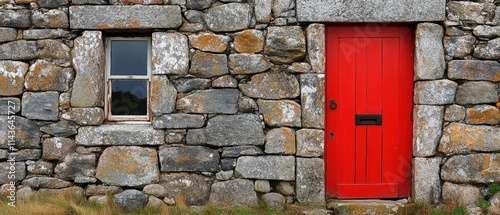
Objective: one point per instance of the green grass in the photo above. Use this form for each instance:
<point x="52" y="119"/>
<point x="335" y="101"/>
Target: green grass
<point x="492" y="189"/>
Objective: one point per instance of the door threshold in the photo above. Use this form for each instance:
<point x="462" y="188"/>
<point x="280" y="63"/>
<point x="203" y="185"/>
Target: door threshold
<point x="370" y="206"/>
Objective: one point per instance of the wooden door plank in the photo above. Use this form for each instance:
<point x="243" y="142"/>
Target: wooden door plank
<point x="367" y="191"/>
<point x="361" y="108"/>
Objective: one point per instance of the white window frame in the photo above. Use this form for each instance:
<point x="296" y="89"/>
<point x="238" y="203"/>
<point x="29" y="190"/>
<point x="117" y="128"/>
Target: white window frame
<point x="109" y="77"/>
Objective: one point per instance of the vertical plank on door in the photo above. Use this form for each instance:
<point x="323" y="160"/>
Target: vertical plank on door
<point x="361" y="107"/>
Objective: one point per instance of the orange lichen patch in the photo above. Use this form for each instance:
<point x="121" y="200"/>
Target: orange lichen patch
<point x="249" y="41"/>
<point x="102" y="26"/>
<point x="209" y="42"/>
<point x="483" y="116"/>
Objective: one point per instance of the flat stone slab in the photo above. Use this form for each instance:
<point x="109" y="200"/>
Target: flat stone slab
<point x="371" y="10"/>
<point x="266" y="167"/>
<point x="124" y="135"/>
<point x="368" y="207"/>
<point x="125" y="17"/>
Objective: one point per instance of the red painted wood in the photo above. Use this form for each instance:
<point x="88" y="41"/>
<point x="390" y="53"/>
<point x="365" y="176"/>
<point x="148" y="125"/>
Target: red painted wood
<point x="369" y="71"/>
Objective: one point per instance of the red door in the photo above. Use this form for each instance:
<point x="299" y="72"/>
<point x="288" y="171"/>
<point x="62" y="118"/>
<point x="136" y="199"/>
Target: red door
<point x="369" y="94"/>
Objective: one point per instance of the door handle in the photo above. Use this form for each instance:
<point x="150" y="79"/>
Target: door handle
<point x="368" y="119"/>
<point x="333" y="104"/>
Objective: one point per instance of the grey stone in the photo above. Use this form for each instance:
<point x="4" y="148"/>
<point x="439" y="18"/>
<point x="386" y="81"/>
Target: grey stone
<point x="491" y="50"/>
<point x="10" y="105"/>
<point x="248" y="63"/>
<point x="274" y="201"/>
<point x="42" y="106"/>
<point x="24" y="193"/>
<point x="228" y="163"/>
<point x="129" y="166"/>
<point x="483" y="114"/>
<point x="477" y="92"/>
<point x="262" y="10"/>
<point x="266" y="167"/>
<point x="50" y="19"/>
<point x="40" y="167"/>
<point x="235" y="130"/>
<point x="427" y="127"/>
<point x="316" y="47"/>
<point x="281" y="113"/>
<point x="53" y="49"/>
<point x="71" y="192"/>
<point x="224" y="175"/>
<point x="184" y="85"/>
<point x="85" y="116"/>
<point x="209" y="42"/>
<point x="125" y="17"/>
<point x="495" y="204"/>
<point x="37" y="34"/>
<point x="285" y="188"/>
<point x="79" y="2"/>
<point x="112" y="135"/>
<point x="228" y="17"/>
<point x="208" y="65"/>
<point x="174" y="136"/>
<point x="459" y="46"/>
<point x="474" y="70"/>
<point x="17" y="172"/>
<point x="192" y="27"/>
<point x="52" y="3"/>
<point x="299" y="68"/>
<point x="27" y="154"/>
<point x="163" y="95"/>
<point x="46" y="76"/>
<point x="427" y="183"/>
<point x="18" y="50"/>
<point x="156" y="190"/>
<point x="198" y="4"/>
<point x="285" y="45"/>
<point x="27" y="133"/>
<point x="12" y="75"/>
<point x="461" y="138"/>
<point x="195" y="189"/>
<point x="89" y="63"/>
<point x="466" y="195"/>
<point x="473" y="168"/>
<point x="310" y="181"/>
<point x="280" y="141"/>
<point x="487" y="31"/>
<point x="247" y="105"/>
<point x="310" y="143"/>
<point x="234" y="192"/>
<point x="131" y="199"/>
<point x="466" y="11"/>
<point x="46" y="182"/>
<point x="7" y="34"/>
<point x="170" y="54"/>
<point x="237" y="151"/>
<point x="189" y="159"/>
<point x="179" y="120"/>
<point x="262" y="186"/>
<point x="429" y="54"/>
<point x="77" y="167"/>
<point x="210" y="101"/>
<point x="193" y="16"/>
<point x="280" y="6"/>
<point x="271" y="85"/>
<point x="196" y="137"/>
<point x="371" y="11"/>
<point x="15" y="18"/>
<point x="61" y="128"/>
<point x="95" y="190"/>
<point x="437" y="92"/>
<point x="155" y="202"/>
<point x="454" y="113"/>
<point x="3" y="153"/>
<point x="226" y="81"/>
<point x="312" y="96"/>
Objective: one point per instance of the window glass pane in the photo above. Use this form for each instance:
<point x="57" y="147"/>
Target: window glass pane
<point x="129" y="97"/>
<point x="129" y="57"/>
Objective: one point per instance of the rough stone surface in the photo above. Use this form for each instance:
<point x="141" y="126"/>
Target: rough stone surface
<point x="53" y="49"/>
<point x="310" y="185"/>
<point x="19" y="174"/>
<point x="10" y="105"/>
<point x="299" y="68"/>
<point x="274" y="201"/>
<point x="459" y="46"/>
<point x="285" y="45"/>
<point x="71" y="191"/>
<point x="462" y="194"/>
<point x="466" y="11"/>
<point x="7" y="34"/>
<point x="312" y="89"/>
<point x="57" y="148"/>
<point x="266" y="167"/>
<point x="46" y="76"/>
<point x="454" y="113"/>
<point x="461" y="138"/>
<point x="262" y="10"/>
<point x="316" y="47"/>
<point x="427" y="183"/>
<point x="163" y="95"/>
<point x="237" y="151"/>
<point x="477" y="92"/>
<point x="179" y="120"/>
<point x="12" y="77"/>
<point x="27" y="154"/>
<point x="46" y="182"/>
<point x="234" y="130"/>
<point x="42" y="106"/>
<point x="244" y="64"/>
<point x="280" y="6"/>
<point x="208" y="65"/>
<point x="35" y="34"/>
<point x="225" y="81"/>
<point x="198" y="4"/>
<point x="125" y="17"/>
<point x="89" y="63"/>
<point x="85" y="116"/>
<point x="262" y="186"/>
<point x="234" y="192"/>
<point x="195" y="189"/>
<point x="285" y="188"/>
<point x="228" y="17"/>
<point x="429" y="54"/>
<point x="473" y="168"/>
<point x="474" y="70"/>
<point x="495" y="204"/>
<point x="209" y="42"/>
<point x="189" y="159"/>
<point x="62" y="128"/>
<point x="271" y="85"/>
<point x="310" y="143"/>
<point x="24" y="193"/>
<point x="15" y="18"/>
<point x="108" y="135"/>
<point x="170" y="53"/>
<point x="370" y="11"/>
<point x="18" y="50"/>
<point x="95" y="190"/>
<point x="427" y="127"/>
<point x="27" y="133"/>
<point x="249" y="41"/>
<point x="129" y="166"/>
<point x="487" y="31"/>
<point x="185" y="85"/>
<point x="131" y="199"/>
<point x="196" y="137"/>
<point x="228" y="163"/>
<point x="491" y="50"/>
<point x="210" y="101"/>
<point x="52" y="3"/>
<point x="483" y="114"/>
<point x="50" y="19"/>
<point x="281" y="113"/>
<point x="437" y="92"/>
<point x="77" y="167"/>
<point x="280" y="141"/>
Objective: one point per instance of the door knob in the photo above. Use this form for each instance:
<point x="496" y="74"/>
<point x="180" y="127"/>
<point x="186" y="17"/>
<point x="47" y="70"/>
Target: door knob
<point x="333" y="105"/>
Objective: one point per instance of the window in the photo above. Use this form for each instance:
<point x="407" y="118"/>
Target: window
<point x="128" y="75"/>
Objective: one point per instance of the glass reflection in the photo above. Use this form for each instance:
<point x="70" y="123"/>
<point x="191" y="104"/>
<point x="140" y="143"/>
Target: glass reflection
<point x="129" y="57"/>
<point x="129" y="97"/>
